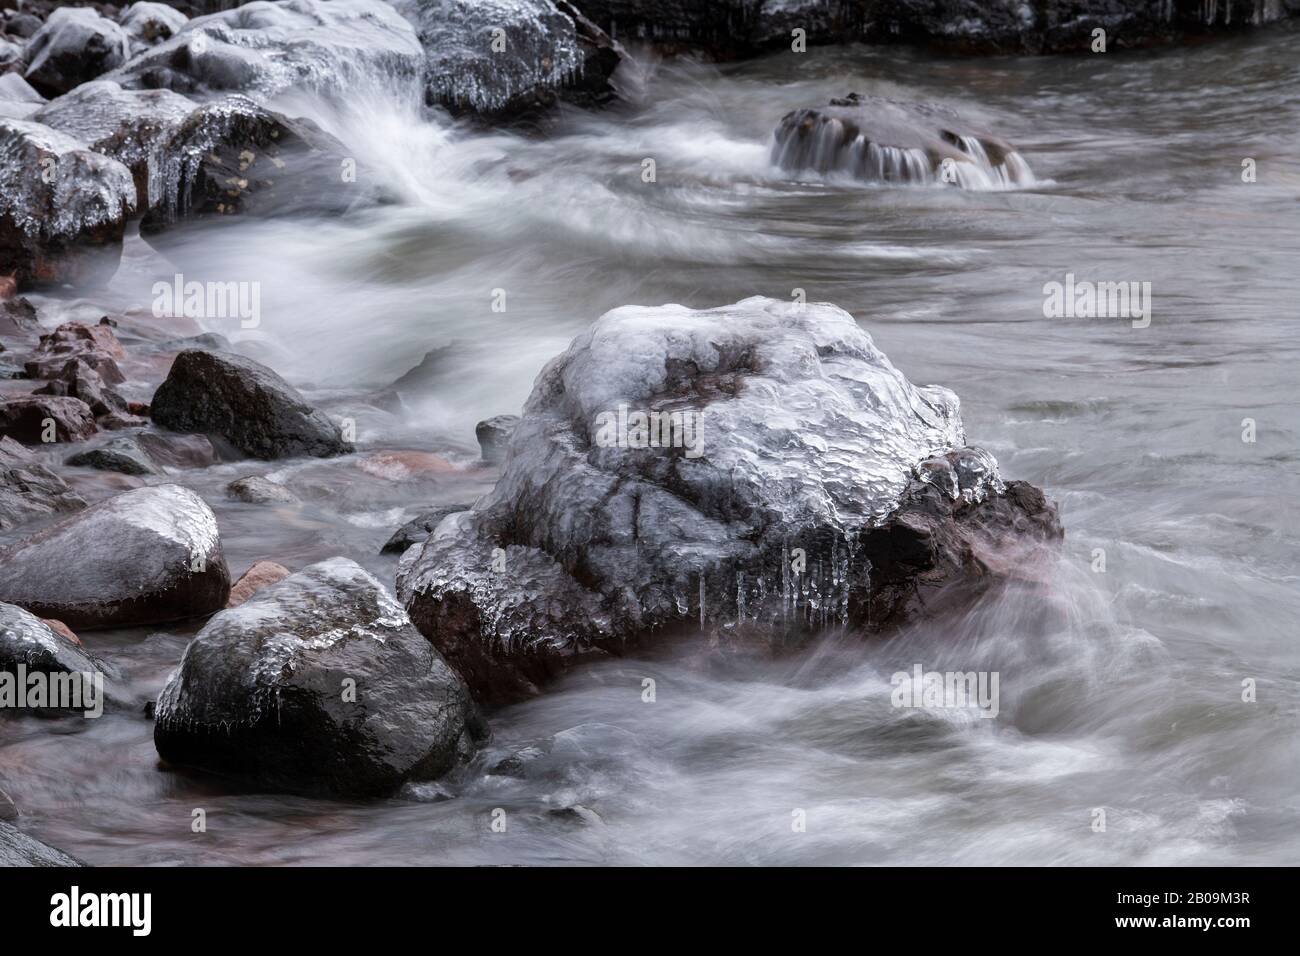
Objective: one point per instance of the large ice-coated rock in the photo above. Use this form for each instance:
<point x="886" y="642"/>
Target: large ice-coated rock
<point x="142" y="557"/>
<point x="317" y="684"/>
<point x="489" y="56"/>
<point x="235" y="158"/>
<point x="336" y="48"/>
<point x="772" y="502"/>
<point x="76" y="44"/>
<point x="131" y="126"/>
<point x="875" y="139"/>
<point x="148" y="24"/>
<point x="246" y="403"/>
<point x="28" y="645"/>
<point x="63" y="208"/>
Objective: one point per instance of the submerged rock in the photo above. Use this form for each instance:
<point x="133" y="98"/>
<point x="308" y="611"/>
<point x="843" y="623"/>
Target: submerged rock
<point x="256" y="490"/>
<point x="235" y="158"/>
<point x="874" y="139"/>
<point x="131" y="126"/>
<point x="63" y="209"/>
<point x="495" y="56"/>
<point x="751" y="470"/>
<point x="29" y="490"/>
<point x="76" y="44"/>
<point x="247" y="404"/>
<point x="336" y="48"/>
<point x="147" y="556"/>
<point x="317" y="684"/>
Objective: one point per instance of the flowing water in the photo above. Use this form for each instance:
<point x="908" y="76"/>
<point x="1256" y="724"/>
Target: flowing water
<point x="1120" y="690"/>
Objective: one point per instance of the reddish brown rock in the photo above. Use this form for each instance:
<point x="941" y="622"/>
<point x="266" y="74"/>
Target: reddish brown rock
<point x="261" y="575"/>
<point x="26" y="419"/>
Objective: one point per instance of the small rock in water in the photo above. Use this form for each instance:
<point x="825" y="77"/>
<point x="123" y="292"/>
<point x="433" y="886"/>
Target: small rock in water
<point x="256" y="490"/>
<point x="75" y="44"/>
<point x="8" y="809"/>
<point x="261" y="575"/>
<point x="404" y="465"/>
<point x="317" y="684"/>
<point x="418" y="529"/>
<point x="123" y="455"/>
<point x="245" y="403"/>
<point x="29" y="490"/>
<point x="36" y="419"/>
<point x="143" y="557"/>
<point x="493" y="436"/>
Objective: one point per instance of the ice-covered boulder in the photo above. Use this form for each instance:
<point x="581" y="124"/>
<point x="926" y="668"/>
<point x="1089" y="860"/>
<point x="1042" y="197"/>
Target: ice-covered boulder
<point x="76" y="44"/>
<point x="131" y="126"/>
<point x="148" y="24"/>
<point x="235" y="158"/>
<point x="874" y="139"/>
<point x="28" y="645"/>
<point x="263" y="49"/>
<point x="18" y="100"/>
<point x="741" y="469"/>
<point x="146" y="556"/>
<point x="319" y="684"/>
<point x="63" y="208"/>
<point x="496" y="56"/>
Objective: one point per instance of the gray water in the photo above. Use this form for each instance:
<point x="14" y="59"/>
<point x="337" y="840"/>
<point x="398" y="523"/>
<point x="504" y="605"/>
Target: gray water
<point x="1120" y="690"/>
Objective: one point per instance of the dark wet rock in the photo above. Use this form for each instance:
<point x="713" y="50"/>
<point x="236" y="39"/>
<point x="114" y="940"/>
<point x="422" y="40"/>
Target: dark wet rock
<point x="63" y="209"/>
<point x="418" y="529"/>
<point x="18" y="100"/>
<point x="538" y="51"/>
<point x="143" y="557"/>
<point x="245" y="403"/>
<point x="493" y="436"/>
<point x="875" y="139"/>
<point x="20" y="849"/>
<point x="78" y="380"/>
<point x="721" y="29"/>
<point x="235" y="158"/>
<point x="256" y="490"/>
<point x="133" y="127"/>
<point x="336" y="48"/>
<point x="29" y="645"/>
<point x="123" y="455"/>
<point x="75" y="45"/>
<point x="148" y="24"/>
<point x="8" y="809"/>
<point x="28" y="489"/>
<point x="116" y="421"/>
<point x="262" y="691"/>
<point x="261" y="575"/>
<point x="593" y="86"/>
<point x="796" y="490"/>
<point x="64" y="365"/>
<point x="32" y="419"/>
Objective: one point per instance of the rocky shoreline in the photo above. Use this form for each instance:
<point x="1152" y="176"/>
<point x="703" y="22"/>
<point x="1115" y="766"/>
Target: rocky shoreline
<point x="820" y="490"/>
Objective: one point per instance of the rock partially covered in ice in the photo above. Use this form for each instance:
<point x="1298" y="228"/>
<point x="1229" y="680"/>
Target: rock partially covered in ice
<point x="722" y="29"/>
<point x="20" y="849"/>
<point x="317" y="684"/>
<point x="29" y="646"/>
<point x="732" y="468"/>
<point x="29" y="490"/>
<point x="247" y="404"/>
<point x="131" y="126"/>
<point x="143" y="557"/>
<point x="874" y="139"/>
<point x="418" y="529"/>
<point x="494" y="56"/>
<point x="76" y="44"/>
<point x="336" y="48"/>
<point x="493" y="436"/>
<point x="17" y="98"/>
<point x="148" y="24"/>
<point x="235" y="158"/>
<point x="63" y="209"/>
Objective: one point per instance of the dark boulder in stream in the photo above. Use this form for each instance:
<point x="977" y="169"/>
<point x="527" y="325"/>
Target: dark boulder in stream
<point x="147" y="556"/>
<point x="759" y="471"/>
<point x="874" y="139"/>
<point x="75" y="44"/>
<point x="246" y="403"/>
<point x="317" y="684"/>
<point x="74" y="680"/>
